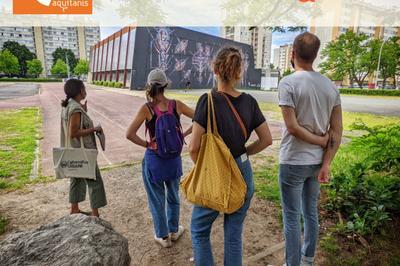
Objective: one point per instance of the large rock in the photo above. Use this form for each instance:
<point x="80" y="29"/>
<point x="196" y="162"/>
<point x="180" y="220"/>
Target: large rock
<point x="72" y="240"/>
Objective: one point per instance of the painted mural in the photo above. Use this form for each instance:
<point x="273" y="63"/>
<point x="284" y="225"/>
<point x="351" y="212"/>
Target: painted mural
<point x="187" y="60"/>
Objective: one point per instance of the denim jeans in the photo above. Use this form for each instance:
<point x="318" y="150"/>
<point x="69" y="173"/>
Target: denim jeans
<point x="203" y="218"/>
<point x="165" y="220"/>
<point x="299" y="194"/>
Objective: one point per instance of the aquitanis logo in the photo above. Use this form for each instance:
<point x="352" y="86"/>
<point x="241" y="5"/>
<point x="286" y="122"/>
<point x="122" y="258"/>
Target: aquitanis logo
<point x="59" y="7"/>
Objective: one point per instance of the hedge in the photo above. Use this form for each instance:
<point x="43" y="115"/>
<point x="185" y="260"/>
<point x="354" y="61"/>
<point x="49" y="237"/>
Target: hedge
<point x="370" y="92"/>
<point x="29" y="80"/>
<point x="108" y="83"/>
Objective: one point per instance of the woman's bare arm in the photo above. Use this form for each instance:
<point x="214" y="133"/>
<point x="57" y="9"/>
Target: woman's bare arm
<point x="264" y="140"/>
<point x="137" y="122"/>
<point x="195" y="142"/>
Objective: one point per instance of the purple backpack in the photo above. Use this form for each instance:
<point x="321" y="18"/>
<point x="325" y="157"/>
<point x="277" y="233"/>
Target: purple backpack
<point x="168" y="133"/>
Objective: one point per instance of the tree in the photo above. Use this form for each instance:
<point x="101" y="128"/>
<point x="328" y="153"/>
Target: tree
<point x="390" y="58"/>
<point x="82" y="68"/>
<point x="350" y="55"/>
<point x="61" y="53"/>
<point x="21" y="52"/>
<point x="9" y="63"/>
<point x="35" y="67"/>
<point x="59" y="69"/>
<point x="287" y="72"/>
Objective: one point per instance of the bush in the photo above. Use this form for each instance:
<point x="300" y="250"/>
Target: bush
<point x="370" y="92"/>
<point x="29" y="80"/>
<point x="112" y="84"/>
<point x="119" y="84"/>
<point x="365" y="187"/>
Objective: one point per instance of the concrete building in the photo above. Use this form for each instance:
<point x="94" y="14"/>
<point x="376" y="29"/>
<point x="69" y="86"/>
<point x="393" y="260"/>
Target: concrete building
<point x="43" y="41"/>
<point x="260" y="38"/>
<point x="282" y="56"/>
<point x="185" y="55"/>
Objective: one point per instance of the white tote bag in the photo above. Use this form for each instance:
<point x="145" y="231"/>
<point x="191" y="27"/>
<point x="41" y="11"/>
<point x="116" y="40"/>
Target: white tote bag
<point x="74" y="162"/>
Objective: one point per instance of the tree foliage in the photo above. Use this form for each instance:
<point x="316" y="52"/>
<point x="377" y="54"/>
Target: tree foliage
<point x="62" y="53"/>
<point x="82" y="68"/>
<point x="9" y="63"/>
<point x="59" y="69"/>
<point x="22" y="53"/>
<point x="390" y="58"/>
<point x="35" y="67"/>
<point x="350" y="55"/>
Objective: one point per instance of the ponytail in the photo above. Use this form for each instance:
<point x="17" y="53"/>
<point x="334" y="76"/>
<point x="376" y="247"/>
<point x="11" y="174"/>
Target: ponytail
<point x="152" y="90"/>
<point x="64" y="103"/>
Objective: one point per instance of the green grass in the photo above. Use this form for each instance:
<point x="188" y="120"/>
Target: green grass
<point x="18" y="134"/>
<point x="266" y="178"/>
<point x="3" y="223"/>
<point x="370" y="120"/>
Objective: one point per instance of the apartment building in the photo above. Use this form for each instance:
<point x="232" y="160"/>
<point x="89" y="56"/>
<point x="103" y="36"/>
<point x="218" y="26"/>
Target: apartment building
<point x="282" y="56"/>
<point x="260" y="38"/>
<point x="43" y="41"/>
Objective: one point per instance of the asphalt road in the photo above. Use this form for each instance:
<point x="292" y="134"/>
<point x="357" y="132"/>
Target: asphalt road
<point x="350" y="103"/>
<point x="18" y="90"/>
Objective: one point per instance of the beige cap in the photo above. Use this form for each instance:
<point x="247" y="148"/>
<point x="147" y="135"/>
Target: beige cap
<point x="157" y="76"/>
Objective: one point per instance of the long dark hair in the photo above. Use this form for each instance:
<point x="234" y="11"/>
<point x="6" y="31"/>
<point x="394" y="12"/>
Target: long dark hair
<point x="152" y="90"/>
<point x="72" y="88"/>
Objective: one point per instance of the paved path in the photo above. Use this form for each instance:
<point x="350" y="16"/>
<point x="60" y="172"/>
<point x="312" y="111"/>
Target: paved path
<point x="114" y="110"/>
<point x="350" y="103"/>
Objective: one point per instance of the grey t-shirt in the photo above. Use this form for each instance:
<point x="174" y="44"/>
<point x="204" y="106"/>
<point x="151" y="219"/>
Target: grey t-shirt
<point x="313" y="97"/>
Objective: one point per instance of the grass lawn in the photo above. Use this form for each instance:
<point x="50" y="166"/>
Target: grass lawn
<point x="18" y="134"/>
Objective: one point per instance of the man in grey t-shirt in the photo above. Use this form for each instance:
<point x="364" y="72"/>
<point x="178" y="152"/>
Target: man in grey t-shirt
<point x="312" y="112"/>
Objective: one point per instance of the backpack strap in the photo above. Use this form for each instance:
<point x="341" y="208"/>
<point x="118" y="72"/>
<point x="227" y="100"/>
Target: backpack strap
<point x="171" y="107"/>
<point x="236" y="114"/>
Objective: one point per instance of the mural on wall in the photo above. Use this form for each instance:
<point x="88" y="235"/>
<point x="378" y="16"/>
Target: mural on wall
<point x="162" y="42"/>
<point x="188" y="59"/>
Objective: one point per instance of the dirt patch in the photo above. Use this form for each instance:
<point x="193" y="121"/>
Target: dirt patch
<point x="128" y="213"/>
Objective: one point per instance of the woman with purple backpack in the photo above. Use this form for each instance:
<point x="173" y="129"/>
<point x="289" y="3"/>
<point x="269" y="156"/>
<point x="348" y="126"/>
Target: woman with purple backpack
<point x="162" y="163"/>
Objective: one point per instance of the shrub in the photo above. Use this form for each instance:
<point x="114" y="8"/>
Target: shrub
<point x="365" y="187"/>
<point x="119" y="84"/>
<point x="370" y="92"/>
<point x="112" y="84"/>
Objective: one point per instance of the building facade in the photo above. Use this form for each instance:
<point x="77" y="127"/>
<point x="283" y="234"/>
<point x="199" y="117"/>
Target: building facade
<point x="282" y="57"/>
<point x="185" y="55"/>
<point x="260" y="38"/>
<point x="43" y="41"/>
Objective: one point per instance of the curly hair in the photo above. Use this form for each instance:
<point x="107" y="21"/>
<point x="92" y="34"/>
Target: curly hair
<point x="228" y="64"/>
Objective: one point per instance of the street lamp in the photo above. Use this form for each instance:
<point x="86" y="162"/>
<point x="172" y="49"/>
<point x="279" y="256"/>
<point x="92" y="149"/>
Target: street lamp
<point x="379" y="63"/>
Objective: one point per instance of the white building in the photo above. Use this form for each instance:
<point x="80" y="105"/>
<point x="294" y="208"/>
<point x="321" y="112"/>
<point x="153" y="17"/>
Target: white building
<point x="43" y="41"/>
<point x="260" y="38"/>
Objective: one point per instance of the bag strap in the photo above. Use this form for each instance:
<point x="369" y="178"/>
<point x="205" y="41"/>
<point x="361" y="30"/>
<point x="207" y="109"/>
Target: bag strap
<point x="211" y="112"/>
<point x="66" y="131"/>
<point x="236" y="114"/>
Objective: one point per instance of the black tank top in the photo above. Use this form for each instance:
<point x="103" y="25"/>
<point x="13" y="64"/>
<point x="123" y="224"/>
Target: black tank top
<point x="151" y="124"/>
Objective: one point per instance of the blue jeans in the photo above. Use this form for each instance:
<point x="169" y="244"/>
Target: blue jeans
<point x="203" y="218"/>
<point x="165" y="220"/>
<point x="299" y="195"/>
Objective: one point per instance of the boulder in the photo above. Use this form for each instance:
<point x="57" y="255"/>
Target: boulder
<point x="72" y="240"/>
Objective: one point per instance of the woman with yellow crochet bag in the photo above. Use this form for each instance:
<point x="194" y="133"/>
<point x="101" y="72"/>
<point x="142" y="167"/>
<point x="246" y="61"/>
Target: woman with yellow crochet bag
<point x="234" y="116"/>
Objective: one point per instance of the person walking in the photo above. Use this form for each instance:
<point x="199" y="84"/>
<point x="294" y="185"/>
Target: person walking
<point x="162" y="163"/>
<point x="72" y="113"/>
<point x="227" y="67"/>
<point x="311" y="109"/>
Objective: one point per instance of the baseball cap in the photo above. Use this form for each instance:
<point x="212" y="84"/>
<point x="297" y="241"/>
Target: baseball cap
<point x="157" y="76"/>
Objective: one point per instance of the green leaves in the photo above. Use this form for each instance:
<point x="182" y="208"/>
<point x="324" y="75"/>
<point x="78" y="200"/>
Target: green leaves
<point x="35" y="67"/>
<point x="82" y="68"/>
<point x="22" y="53"/>
<point x="366" y="184"/>
<point x="9" y="63"/>
<point x="59" y="68"/>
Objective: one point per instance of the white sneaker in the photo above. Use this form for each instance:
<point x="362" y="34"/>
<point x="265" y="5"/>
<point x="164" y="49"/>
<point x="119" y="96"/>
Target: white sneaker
<point x="177" y="235"/>
<point x="165" y="243"/>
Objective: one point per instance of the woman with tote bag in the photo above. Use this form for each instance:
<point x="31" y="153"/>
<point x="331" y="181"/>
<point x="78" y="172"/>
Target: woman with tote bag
<point x="77" y="126"/>
<point x="237" y="115"/>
